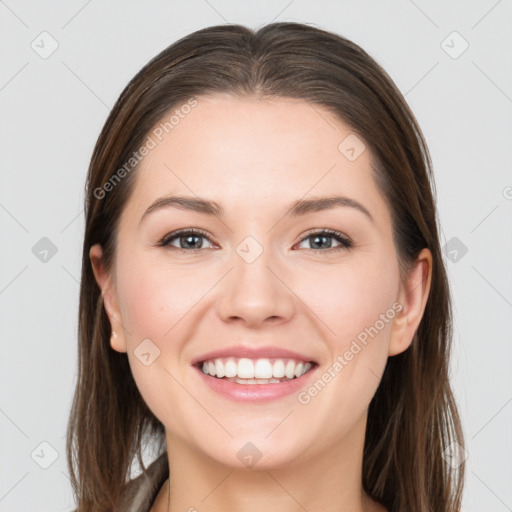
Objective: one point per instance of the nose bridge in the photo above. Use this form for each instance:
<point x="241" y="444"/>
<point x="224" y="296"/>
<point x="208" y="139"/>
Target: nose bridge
<point x="254" y="292"/>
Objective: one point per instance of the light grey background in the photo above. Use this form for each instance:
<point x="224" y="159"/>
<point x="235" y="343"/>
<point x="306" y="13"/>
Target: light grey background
<point x="53" y="108"/>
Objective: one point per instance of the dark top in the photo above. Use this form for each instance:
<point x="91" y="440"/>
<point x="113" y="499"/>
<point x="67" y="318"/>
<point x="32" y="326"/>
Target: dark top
<point x="140" y="493"/>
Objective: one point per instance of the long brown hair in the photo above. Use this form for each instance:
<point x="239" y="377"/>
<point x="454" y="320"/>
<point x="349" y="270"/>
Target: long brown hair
<point x="412" y="418"/>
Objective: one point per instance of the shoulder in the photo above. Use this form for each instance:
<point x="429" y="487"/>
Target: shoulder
<point x="139" y="493"/>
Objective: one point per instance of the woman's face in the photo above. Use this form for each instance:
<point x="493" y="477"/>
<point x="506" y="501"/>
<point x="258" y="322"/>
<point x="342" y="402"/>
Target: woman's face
<point x="257" y="279"/>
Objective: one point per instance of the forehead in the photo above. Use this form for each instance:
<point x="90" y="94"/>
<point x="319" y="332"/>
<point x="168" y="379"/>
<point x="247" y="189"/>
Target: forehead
<point x="249" y="152"/>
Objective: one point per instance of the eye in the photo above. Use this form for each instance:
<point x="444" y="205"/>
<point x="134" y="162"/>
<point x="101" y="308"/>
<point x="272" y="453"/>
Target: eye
<point x="324" y="238"/>
<point x="187" y="239"/>
<point x="193" y="239"/>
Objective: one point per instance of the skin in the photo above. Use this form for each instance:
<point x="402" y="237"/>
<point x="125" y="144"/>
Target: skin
<point x="239" y="152"/>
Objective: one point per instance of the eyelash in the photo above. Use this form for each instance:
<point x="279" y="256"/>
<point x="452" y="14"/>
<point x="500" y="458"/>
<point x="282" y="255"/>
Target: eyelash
<point x="345" y="242"/>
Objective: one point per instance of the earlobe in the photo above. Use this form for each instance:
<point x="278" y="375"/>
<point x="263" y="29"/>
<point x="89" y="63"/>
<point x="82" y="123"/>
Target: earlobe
<point x="103" y="278"/>
<point x="117" y="342"/>
<point x="413" y="298"/>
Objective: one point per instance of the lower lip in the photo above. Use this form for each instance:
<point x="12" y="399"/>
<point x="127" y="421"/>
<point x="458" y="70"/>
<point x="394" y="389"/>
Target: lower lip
<point x="255" y="392"/>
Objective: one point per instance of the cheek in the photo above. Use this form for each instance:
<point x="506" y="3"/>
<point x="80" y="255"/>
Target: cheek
<point x="154" y="303"/>
<point x="154" y="298"/>
<point x="354" y="297"/>
<point x="357" y="307"/>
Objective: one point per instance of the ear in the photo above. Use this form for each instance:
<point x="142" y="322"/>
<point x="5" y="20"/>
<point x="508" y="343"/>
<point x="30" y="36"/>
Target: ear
<point x="412" y="297"/>
<point x="108" y="292"/>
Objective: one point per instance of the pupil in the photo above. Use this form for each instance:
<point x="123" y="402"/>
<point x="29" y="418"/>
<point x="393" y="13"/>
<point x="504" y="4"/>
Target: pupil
<point x="189" y="240"/>
<point x="318" y="237"/>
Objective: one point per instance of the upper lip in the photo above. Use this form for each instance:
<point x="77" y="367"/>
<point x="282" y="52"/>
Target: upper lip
<point x="252" y="353"/>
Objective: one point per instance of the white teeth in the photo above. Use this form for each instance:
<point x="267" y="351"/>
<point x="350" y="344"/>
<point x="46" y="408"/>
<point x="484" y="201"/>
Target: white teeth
<point x="298" y="370"/>
<point x="230" y="368"/>
<point x="219" y="369"/>
<point x="260" y="371"/>
<point x="245" y="369"/>
<point x="278" y="369"/>
<point x="290" y="369"/>
<point x="263" y="369"/>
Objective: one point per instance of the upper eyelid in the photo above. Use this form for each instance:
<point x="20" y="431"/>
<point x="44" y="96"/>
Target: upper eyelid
<point x="184" y="231"/>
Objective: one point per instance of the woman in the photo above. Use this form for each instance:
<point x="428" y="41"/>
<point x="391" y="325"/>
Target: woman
<point x="263" y="293"/>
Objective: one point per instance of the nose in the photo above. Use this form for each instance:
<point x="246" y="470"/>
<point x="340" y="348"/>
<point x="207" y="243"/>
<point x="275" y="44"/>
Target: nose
<point x="255" y="293"/>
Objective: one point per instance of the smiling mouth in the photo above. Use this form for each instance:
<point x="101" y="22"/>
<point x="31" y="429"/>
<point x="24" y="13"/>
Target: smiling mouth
<point x="255" y="371"/>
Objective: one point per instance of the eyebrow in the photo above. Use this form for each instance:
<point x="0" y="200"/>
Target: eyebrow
<point x="298" y="208"/>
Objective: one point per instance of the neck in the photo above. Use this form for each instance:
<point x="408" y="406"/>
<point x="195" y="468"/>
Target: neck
<point x="329" y="481"/>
